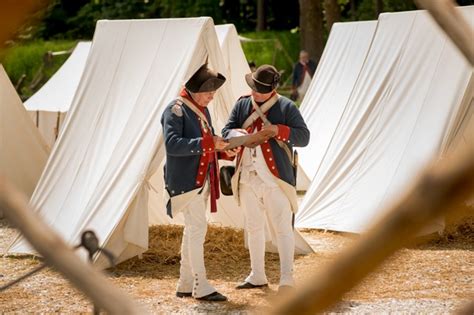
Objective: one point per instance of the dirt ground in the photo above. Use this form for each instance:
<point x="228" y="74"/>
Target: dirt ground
<point x="434" y="278"/>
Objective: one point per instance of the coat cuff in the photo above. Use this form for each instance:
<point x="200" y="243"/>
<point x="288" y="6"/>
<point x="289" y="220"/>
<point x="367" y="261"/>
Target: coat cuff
<point x="283" y="133"/>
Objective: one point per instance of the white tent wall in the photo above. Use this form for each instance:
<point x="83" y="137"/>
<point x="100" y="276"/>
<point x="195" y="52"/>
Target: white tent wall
<point x="234" y="58"/>
<point x="23" y="153"/>
<point x="407" y="98"/>
<point x="331" y="87"/>
<point x="462" y="131"/>
<point x="48" y="106"/>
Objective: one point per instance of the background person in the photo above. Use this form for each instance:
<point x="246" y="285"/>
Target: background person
<point x="303" y="72"/>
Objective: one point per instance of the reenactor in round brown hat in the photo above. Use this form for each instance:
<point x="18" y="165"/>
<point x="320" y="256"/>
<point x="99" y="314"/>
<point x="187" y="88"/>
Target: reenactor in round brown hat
<point x="265" y="177"/>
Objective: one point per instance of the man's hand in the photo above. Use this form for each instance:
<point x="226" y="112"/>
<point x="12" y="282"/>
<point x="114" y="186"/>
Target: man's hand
<point x="271" y="130"/>
<point x="220" y="143"/>
<point x="232" y="152"/>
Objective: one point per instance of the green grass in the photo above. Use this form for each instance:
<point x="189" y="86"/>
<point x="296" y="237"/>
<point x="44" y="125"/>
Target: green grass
<point x="27" y="58"/>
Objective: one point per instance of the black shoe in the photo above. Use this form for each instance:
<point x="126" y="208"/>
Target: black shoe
<point x="285" y="289"/>
<point x="184" y="294"/>
<point x="248" y="285"/>
<point x="213" y="297"/>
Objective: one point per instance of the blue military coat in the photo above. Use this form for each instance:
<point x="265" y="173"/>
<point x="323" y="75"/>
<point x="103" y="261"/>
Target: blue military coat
<point x="292" y="131"/>
<point x="189" y="150"/>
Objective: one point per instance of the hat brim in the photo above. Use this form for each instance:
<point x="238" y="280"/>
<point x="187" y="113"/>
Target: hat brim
<point x="210" y="85"/>
<point x="257" y="87"/>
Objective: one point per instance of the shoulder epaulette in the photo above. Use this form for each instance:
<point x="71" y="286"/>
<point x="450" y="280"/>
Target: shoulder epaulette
<point x="176" y="108"/>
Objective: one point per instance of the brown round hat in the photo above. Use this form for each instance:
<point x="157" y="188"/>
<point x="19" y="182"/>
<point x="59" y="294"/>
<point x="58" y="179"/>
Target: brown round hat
<point x="205" y="80"/>
<point x="264" y="80"/>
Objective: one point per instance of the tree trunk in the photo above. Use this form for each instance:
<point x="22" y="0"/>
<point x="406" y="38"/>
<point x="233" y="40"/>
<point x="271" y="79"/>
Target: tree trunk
<point x="378" y="7"/>
<point x="353" y="10"/>
<point x="311" y="28"/>
<point x="332" y="13"/>
<point x="260" y="15"/>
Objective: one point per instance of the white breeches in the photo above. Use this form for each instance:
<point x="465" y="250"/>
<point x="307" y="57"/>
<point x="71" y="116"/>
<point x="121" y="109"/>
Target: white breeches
<point x="192" y="271"/>
<point x="258" y="201"/>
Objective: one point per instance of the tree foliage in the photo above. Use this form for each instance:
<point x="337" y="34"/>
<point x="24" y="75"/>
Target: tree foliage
<point x="75" y="19"/>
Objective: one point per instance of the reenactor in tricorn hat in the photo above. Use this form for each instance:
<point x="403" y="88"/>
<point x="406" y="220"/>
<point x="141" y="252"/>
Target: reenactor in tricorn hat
<point x="191" y="175"/>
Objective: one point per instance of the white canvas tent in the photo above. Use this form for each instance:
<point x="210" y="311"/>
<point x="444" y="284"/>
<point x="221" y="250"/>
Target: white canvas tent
<point x="23" y="153"/>
<point x="48" y="106"/>
<point x="331" y="87"/>
<point x="407" y="106"/>
<point x="234" y="59"/>
<point x="101" y="172"/>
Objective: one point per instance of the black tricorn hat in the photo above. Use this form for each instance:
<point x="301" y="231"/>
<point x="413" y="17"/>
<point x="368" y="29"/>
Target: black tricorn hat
<point x="264" y="80"/>
<point x="204" y="80"/>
